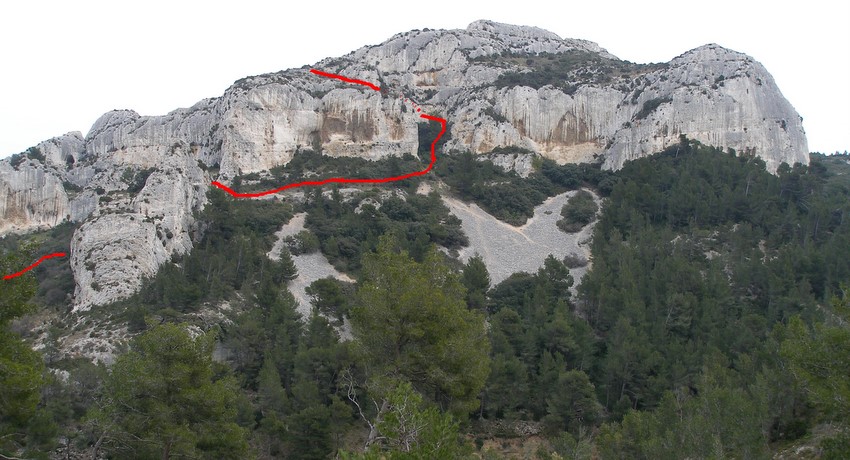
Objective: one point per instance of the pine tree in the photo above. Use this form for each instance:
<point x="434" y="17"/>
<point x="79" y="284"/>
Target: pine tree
<point x="574" y="404"/>
<point x="410" y="323"/>
<point x="476" y="279"/>
<point x="162" y="400"/>
<point x="819" y="358"/>
<point x="411" y="429"/>
<point x="21" y="368"/>
<point x="270" y="391"/>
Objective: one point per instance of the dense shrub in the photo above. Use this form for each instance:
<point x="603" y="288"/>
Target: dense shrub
<point x="347" y="229"/>
<point x="506" y="195"/>
<point x="136" y="180"/>
<point x="579" y="211"/>
<point x="304" y="242"/>
<point x="650" y="106"/>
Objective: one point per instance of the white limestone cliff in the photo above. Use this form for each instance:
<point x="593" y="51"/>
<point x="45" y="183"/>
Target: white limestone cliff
<point x="31" y="197"/>
<point x="130" y="227"/>
<point x="718" y="97"/>
<point x="129" y="237"/>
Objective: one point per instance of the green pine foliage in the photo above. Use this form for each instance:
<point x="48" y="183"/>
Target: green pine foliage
<point x="295" y="371"/>
<point x="709" y="325"/>
<point x="349" y="229"/>
<point x="509" y="197"/>
<point x="819" y="359"/>
<point x="32" y="153"/>
<point x="697" y="255"/>
<point x="163" y="399"/>
<point x="724" y="417"/>
<point x="694" y="251"/>
<point x="55" y="282"/>
<point x="476" y="280"/>
<point x="308" y="164"/>
<point x="136" y="180"/>
<point x="331" y="297"/>
<point x="565" y="71"/>
<point x="539" y="348"/>
<point x="26" y="428"/>
<point x="410" y="323"/>
<point x="230" y="256"/>
<point x="579" y="211"/>
<point x="410" y="429"/>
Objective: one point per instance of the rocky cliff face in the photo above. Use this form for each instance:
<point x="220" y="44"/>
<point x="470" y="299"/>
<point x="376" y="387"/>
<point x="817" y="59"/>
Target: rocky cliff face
<point x="719" y="97"/>
<point x="31" y="196"/>
<point x="135" y="181"/>
<point x="132" y="233"/>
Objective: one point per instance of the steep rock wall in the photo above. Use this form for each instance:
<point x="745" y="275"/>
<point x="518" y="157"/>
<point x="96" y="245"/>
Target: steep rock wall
<point x="135" y="181"/>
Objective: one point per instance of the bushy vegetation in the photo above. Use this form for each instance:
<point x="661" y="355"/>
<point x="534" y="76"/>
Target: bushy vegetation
<point x="565" y="71"/>
<point x="713" y="323"/>
<point x="163" y="399"/>
<point x="304" y="242"/>
<point x="698" y="256"/>
<point x="229" y="257"/>
<point x="411" y="323"/>
<point x="307" y="164"/>
<point x="509" y="197"/>
<point x="136" y="180"/>
<point x="25" y="427"/>
<point x="650" y="106"/>
<point x="349" y="229"/>
<point x="579" y="211"/>
<point x="293" y="368"/>
<point x="54" y="279"/>
<point x="32" y="153"/>
<point x="819" y="358"/>
<point x="541" y="353"/>
<point x="332" y="297"/>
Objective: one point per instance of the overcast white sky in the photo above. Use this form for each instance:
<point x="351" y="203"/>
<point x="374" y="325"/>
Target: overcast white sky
<point x="64" y="63"/>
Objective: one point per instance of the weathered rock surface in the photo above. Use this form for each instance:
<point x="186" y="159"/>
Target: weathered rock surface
<point x="64" y="150"/>
<point x="134" y="181"/>
<point x="132" y="235"/>
<point x="718" y="97"/>
<point x="31" y="197"/>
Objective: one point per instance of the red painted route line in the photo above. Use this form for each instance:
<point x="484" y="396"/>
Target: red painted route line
<point x="346" y="79"/>
<point x="341" y="180"/>
<point x="43" y="258"/>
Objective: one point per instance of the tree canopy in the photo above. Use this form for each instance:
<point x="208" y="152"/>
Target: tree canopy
<point x="410" y="323"/>
<point x="163" y="399"/>
<point x="21" y="368"/>
<point x="819" y="358"/>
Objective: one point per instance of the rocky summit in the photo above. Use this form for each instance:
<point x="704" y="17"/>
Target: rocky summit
<point x="134" y="182"/>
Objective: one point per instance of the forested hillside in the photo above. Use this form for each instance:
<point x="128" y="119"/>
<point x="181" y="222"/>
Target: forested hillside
<point x="713" y="323"/>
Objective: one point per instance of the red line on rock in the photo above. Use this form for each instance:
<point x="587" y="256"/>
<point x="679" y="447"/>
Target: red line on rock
<point x="42" y="259"/>
<point x="342" y="180"/>
<point x="346" y="79"/>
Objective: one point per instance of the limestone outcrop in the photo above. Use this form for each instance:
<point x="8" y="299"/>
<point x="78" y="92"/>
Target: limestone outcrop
<point x="31" y="197"/>
<point x="134" y="182"/>
<point x="718" y="97"/>
<point x="128" y="237"/>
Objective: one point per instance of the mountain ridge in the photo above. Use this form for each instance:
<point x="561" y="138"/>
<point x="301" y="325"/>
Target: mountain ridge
<point x="134" y="182"/>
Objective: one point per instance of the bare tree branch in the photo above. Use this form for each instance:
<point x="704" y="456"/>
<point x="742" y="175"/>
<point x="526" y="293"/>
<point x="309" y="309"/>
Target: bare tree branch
<point x="348" y="380"/>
